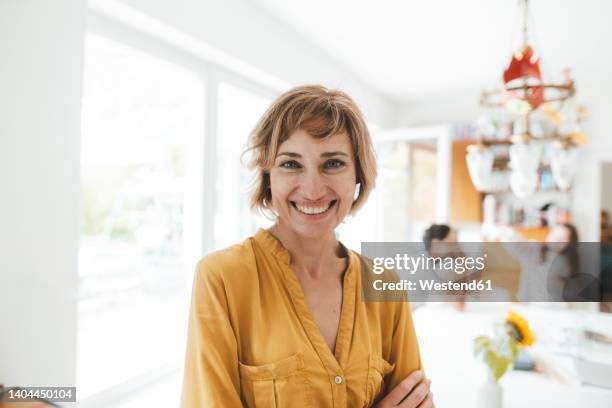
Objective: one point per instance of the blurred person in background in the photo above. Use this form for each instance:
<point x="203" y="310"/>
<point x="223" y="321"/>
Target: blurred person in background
<point x="437" y="233"/>
<point x="278" y="320"/>
<point x="440" y="240"/>
<point x="546" y="272"/>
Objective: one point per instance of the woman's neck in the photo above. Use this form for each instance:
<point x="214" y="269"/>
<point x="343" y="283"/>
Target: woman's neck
<point x="314" y="256"/>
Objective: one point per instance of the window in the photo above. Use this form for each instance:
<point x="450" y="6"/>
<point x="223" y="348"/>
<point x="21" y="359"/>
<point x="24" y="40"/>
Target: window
<point x="141" y="166"/>
<point x="237" y="114"/>
<point x="408" y="180"/>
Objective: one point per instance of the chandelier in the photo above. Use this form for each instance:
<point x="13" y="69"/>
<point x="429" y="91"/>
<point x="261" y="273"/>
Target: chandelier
<point x="525" y="126"/>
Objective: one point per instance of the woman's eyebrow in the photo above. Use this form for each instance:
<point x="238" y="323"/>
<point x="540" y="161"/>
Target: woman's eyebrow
<point x="326" y="154"/>
<point x="331" y="154"/>
<point x="290" y="154"/>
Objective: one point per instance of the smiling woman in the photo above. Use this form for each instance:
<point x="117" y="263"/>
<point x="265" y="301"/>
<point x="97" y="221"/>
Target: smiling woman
<point x="278" y="320"/>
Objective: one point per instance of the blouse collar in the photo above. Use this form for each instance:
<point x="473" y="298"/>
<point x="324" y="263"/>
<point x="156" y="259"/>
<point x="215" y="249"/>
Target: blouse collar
<point x="274" y="246"/>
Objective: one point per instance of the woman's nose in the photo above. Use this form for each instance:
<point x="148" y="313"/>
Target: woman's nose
<point x="313" y="185"/>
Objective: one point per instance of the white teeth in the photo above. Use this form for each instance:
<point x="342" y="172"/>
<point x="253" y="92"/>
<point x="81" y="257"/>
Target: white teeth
<point x="312" y="210"/>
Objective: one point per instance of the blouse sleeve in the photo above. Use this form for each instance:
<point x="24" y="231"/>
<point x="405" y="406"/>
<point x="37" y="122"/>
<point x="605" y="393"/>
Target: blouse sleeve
<point x="211" y="376"/>
<point x="405" y="353"/>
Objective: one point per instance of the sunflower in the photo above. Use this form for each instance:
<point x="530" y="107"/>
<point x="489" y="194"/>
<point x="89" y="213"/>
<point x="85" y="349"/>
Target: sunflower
<point x="519" y="329"/>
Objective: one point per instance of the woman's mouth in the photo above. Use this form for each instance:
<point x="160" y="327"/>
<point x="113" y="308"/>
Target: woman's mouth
<point x="313" y="210"/>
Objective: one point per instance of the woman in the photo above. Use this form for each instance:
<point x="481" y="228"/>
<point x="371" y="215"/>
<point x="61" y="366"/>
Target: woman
<point x="278" y="320"/>
<point x="544" y="277"/>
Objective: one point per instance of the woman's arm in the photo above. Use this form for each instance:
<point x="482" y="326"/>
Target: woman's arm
<point x="404" y="346"/>
<point x="211" y="366"/>
<point x="406" y="387"/>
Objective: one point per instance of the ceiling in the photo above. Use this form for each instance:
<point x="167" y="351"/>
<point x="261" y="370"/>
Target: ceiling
<point x="410" y="50"/>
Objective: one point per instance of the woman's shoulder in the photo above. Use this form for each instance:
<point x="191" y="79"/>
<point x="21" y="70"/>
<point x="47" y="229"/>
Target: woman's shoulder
<point x="232" y="261"/>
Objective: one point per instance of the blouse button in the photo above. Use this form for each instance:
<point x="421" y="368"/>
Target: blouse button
<point x="338" y="379"/>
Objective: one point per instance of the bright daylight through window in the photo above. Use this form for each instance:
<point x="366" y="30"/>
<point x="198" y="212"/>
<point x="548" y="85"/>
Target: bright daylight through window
<point x="140" y="205"/>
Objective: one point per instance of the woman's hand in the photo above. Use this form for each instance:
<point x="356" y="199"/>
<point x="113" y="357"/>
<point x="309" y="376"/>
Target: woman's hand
<point x="412" y="392"/>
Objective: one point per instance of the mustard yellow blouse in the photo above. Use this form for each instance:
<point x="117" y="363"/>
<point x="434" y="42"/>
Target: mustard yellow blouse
<point x="252" y="340"/>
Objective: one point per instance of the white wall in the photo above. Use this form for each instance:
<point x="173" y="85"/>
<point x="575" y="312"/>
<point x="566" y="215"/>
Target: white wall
<point x="41" y="50"/>
<point x="606" y="187"/>
<point x="242" y="29"/>
<point x="587" y="186"/>
<point x="454" y="106"/>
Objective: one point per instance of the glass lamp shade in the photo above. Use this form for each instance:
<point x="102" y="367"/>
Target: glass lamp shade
<point x="524" y="160"/>
<point x="563" y="162"/>
<point x="523" y="186"/>
<point x="569" y="117"/>
<point x="480" y="166"/>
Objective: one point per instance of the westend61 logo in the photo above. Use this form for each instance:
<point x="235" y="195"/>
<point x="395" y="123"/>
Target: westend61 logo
<point x="411" y="264"/>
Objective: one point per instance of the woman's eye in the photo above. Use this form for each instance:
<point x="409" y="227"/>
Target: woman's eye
<point x="334" y="164"/>
<point x="290" y="164"/>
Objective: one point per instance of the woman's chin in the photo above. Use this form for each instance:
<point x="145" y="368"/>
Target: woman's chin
<point x="310" y="231"/>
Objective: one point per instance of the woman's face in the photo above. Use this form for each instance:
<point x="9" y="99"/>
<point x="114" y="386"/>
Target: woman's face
<point x="558" y="238"/>
<point x="313" y="183"/>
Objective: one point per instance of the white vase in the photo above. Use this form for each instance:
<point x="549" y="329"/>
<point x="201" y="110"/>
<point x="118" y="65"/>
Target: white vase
<point x="490" y="395"/>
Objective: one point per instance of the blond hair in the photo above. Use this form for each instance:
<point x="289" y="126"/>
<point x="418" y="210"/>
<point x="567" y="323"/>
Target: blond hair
<point x="321" y="113"/>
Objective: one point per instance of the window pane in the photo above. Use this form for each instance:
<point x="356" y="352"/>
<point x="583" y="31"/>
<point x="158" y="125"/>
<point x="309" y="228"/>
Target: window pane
<point x="408" y="180"/>
<point x="394" y="181"/>
<point x="423" y="173"/>
<point x="238" y="112"/>
<point x="140" y="213"/>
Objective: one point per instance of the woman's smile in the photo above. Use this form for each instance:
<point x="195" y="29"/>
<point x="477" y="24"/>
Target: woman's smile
<point x="314" y="211"/>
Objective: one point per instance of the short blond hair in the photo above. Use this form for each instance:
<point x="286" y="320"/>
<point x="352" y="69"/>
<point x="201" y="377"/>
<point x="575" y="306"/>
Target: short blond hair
<point x="321" y="113"/>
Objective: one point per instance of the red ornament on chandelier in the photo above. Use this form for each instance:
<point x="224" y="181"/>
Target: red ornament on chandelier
<point x="525" y="66"/>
